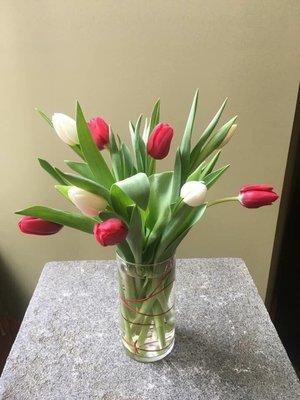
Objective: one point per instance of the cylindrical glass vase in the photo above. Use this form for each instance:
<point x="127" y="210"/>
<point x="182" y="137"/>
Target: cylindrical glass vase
<point x="147" y="308"/>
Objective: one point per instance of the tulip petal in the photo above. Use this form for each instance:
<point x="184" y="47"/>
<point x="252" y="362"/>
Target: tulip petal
<point x="193" y="193"/>
<point x="257" y="198"/>
<point x="256" y="186"/>
<point x="65" y="127"/>
<point x="88" y="203"/>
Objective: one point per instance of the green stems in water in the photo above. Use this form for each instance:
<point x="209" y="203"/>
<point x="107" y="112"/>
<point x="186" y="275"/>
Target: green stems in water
<point x="147" y="307"/>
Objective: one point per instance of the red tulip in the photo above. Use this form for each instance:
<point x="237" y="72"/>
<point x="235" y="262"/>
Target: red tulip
<point x="38" y="226"/>
<point x="110" y="232"/>
<point x="100" y="131"/>
<point x="257" y="195"/>
<point x="159" y="142"/>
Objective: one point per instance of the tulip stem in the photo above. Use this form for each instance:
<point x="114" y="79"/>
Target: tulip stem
<point x="224" y="200"/>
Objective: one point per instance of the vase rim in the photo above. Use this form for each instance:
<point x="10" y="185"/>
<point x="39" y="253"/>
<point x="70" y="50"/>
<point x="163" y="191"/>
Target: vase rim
<point x="145" y="265"/>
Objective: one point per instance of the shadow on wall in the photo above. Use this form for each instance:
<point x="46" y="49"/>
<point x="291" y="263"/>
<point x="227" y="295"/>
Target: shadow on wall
<point x="11" y="307"/>
<point x="12" y="297"/>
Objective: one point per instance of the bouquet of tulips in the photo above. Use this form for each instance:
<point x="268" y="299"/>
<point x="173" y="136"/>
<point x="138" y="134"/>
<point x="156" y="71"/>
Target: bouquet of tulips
<point x="145" y="213"/>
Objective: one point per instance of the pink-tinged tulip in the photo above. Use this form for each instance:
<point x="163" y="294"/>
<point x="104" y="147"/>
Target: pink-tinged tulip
<point x="88" y="203"/>
<point x="228" y="136"/>
<point x="38" y="226"/>
<point x="110" y="232"/>
<point x="100" y="131"/>
<point x="159" y="141"/>
<point x="65" y="127"/>
<point x="257" y="195"/>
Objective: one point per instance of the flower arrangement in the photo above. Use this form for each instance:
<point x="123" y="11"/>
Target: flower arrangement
<point x="145" y="213"/>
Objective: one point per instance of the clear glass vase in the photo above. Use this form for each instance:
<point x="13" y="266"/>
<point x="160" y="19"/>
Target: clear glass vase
<point x="147" y="308"/>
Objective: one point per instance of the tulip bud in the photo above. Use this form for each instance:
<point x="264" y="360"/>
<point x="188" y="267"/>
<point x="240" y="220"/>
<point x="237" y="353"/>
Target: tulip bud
<point x="228" y="136"/>
<point x="110" y="232"/>
<point x="193" y="193"/>
<point x="99" y="131"/>
<point x="65" y="127"/>
<point x="88" y="203"/>
<point x="159" y="141"/>
<point x="257" y="195"/>
<point x="38" y="226"/>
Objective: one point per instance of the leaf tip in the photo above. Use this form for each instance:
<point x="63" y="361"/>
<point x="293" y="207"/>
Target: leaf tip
<point x="78" y="108"/>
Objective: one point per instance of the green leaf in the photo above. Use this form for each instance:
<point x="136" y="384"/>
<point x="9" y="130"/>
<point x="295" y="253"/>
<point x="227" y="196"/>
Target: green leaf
<point x="216" y="140"/>
<point x="87" y="184"/>
<point x="135" y="234"/>
<point x="185" y="146"/>
<point x="44" y="116"/>
<point x="124" y="251"/>
<point x="158" y="213"/>
<point x="154" y="120"/>
<point x="81" y="168"/>
<point x="210" y="166"/>
<point x="138" y="124"/>
<point x="64" y="190"/>
<point x="177" y="177"/>
<point x="181" y="221"/>
<point x="138" y="147"/>
<point x="51" y="171"/>
<point x="195" y="217"/>
<point x="121" y="166"/>
<point x="150" y="163"/>
<point x="160" y="198"/>
<point x="132" y="190"/>
<point x="73" y="220"/>
<point x="116" y="157"/>
<point x="201" y="171"/>
<point x="141" y="144"/>
<point x="105" y="214"/>
<point x="211" y="178"/>
<point x="91" y="153"/>
<point x="196" y="175"/>
<point x="129" y="168"/>
<point x="146" y="131"/>
<point x="77" y="150"/>
<point x="112" y="144"/>
<point x="204" y="137"/>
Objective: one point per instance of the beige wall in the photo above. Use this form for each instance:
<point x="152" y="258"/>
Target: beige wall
<point x="117" y="57"/>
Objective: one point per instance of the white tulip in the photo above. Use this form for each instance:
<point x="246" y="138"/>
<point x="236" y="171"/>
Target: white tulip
<point x="88" y="203"/>
<point x="65" y="127"/>
<point x="228" y="136"/>
<point x="193" y="193"/>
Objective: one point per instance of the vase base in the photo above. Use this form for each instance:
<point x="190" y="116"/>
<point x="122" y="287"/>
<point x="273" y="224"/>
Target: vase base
<point x="148" y="359"/>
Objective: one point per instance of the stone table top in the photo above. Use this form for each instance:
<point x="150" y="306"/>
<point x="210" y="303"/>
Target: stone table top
<point x="226" y="347"/>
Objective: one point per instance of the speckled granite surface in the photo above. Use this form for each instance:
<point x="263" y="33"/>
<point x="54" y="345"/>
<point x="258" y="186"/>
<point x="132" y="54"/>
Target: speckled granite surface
<point x="226" y="346"/>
